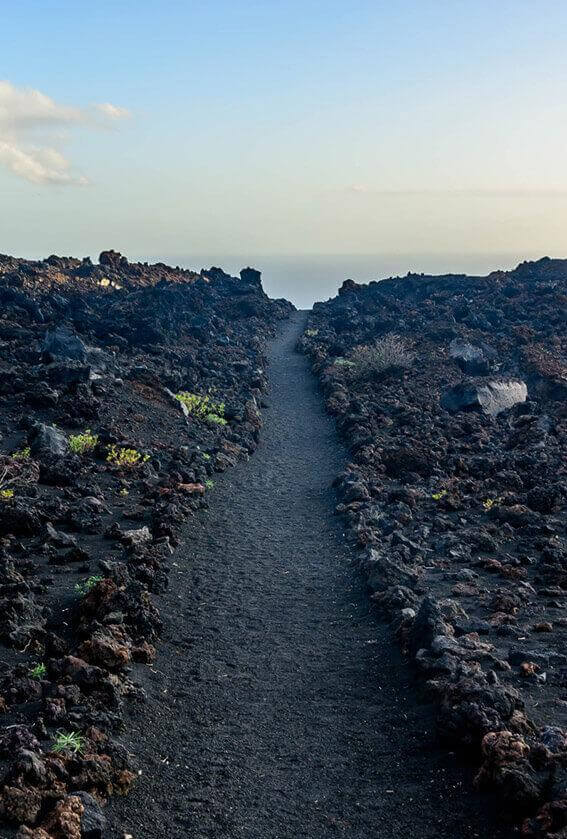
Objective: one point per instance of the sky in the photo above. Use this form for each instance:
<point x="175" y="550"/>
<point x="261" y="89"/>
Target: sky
<point x="199" y="129"/>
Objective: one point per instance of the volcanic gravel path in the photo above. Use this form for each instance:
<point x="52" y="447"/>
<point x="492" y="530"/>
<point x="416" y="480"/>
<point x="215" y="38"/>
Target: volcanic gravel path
<point x="279" y="706"/>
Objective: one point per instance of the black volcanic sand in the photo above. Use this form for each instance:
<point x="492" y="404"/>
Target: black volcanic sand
<point x="279" y="705"/>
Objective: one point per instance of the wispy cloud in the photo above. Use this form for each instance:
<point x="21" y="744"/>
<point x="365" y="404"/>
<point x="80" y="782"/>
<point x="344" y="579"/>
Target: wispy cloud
<point x="113" y="111"/>
<point x="30" y="133"/>
<point x="363" y="189"/>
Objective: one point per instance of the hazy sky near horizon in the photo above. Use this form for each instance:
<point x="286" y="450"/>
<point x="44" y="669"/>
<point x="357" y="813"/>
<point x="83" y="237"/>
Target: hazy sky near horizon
<point x="172" y="128"/>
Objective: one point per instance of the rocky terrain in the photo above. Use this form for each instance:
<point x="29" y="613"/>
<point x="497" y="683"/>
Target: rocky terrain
<point x="451" y="394"/>
<point x="124" y="389"/>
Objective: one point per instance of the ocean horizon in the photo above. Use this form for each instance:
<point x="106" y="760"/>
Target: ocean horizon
<point x="305" y="279"/>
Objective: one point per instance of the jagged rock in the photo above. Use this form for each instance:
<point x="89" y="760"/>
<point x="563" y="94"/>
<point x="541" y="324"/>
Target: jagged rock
<point x="428" y="624"/>
<point x="62" y="343"/>
<point x="473" y="360"/>
<point x="112" y="259"/>
<point x="47" y="441"/>
<point x="65" y="374"/>
<point x="492" y="398"/>
<point x="137" y="538"/>
<point x="93" y="822"/>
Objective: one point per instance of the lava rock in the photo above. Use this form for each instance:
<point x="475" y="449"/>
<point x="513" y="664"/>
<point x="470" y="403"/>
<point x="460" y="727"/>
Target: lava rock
<point x="492" y="398"/>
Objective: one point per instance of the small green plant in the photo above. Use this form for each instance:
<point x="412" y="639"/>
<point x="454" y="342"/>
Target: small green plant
<point x="206" y="456"/>
<point x="88" y="584"/>
<point x="343" y="362"/>
<point x="203" y="407"/>
<point x="124" y="492"/>
<point x="209" y="484"/>
<point x="216" y="418"/>
<point x="81" y="443"/>
<point x="311" y="333"/>
<point x="22" y="454"/>
<point x="489" y="503"/>
<point x="437" y="496"/>
<point x="71" y="741"/>
<point x="38" y="672"/>
<point x="125" y="458"/>
<point x="6" y="494"/>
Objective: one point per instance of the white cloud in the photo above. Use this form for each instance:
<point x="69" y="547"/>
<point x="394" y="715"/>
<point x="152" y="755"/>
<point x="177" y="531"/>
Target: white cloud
<point x="113" y="111"/>
<point x="28" y="145"/>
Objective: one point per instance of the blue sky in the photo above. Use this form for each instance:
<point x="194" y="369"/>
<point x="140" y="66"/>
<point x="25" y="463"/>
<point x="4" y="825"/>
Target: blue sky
<point x="288" y="127"/>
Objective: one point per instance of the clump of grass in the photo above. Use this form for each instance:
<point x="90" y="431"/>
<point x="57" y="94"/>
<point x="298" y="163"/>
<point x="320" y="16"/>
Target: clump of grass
<point x="71" y="742"/>
<point x="22" y="454"/>
<point x="209" y="484"/>
<point x="81" y="443"/>
<point x="125" y="458"/>
<point x="38" y="672"/>
<point x="206" y="456"/>
<point x="6" y="494"/>
<point x="203" y="407"/>
<point x="311" y="333"/>
<point x="84" y="587"/>
<point x="372" y="361"/>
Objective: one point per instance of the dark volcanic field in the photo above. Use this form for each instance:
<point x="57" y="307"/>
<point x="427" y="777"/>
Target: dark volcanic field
<point x="99" y="470"/>
<point x="456" y="494"/>
<point x="281" y="707"/>
<point x="207" y="644"/>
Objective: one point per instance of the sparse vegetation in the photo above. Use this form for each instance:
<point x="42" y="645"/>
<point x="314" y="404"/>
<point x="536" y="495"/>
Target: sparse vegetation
<point x="206" y="456"/>
<point x="437" y="496"/>
<point x="203" y="407"/>
<point x="215" y="418"/>
<point x="88" y="584"/>
<point x="209" y="484"/>
<point x="81" y="443"/>
<point x="22" y="454"/>
<point x="343" y="362"/>
<point x="16" y="472"/>
<point x="38" y="672"/>
<point x="371" y="361"/>
<point x="72" y="742"/>
<point x="311" y="333"/>
<point x="125" y="458"/>
<point x="489" y="503"/>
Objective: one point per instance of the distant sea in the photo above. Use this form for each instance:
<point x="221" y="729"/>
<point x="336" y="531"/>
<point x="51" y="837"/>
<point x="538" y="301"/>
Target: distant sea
<point x="306" y="278"/>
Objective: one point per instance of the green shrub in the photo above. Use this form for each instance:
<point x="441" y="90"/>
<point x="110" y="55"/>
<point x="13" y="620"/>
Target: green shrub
<point x="38" y="672"/>
<point x="22" y="454"/>
<point x="216" y="418"/>
<point x="84" y="588"/>
<point x="203" y="407"/>
<point x="125" y="458"/>
<point x="81" y="443"/>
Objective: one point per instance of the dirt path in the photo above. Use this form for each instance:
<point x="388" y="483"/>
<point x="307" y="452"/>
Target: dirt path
<point x="279" y="707"/>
